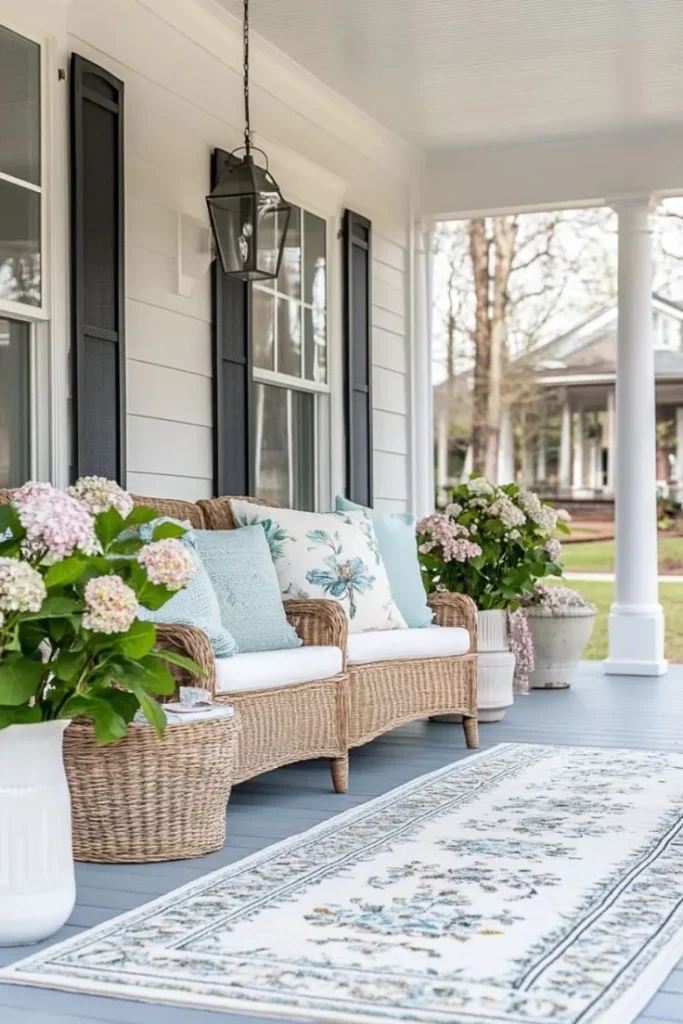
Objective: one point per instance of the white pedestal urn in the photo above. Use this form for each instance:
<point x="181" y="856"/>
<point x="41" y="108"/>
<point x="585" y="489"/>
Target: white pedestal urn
<point x="496" y="666"/>
<point x="559" y="640"/>
<point x="37" y="886"/>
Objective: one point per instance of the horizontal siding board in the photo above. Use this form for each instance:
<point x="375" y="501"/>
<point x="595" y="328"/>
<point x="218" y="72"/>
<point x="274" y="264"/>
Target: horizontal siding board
<point x="176" y="449"/>
<point x="386" y="251"/>
<point x="387" y="506"/>
<point x="391" y="478"/>
<point x="388" y="321"/>
<point x="168" y="394"/>
<point x="390" y="432"/>
<point x="153" y="279"/>
<point x="382" y="272"/>
<point x="187" y="488"/>
<point x="388" y="350"/>
<point x="387" y="297"/>
<point x="152" y="226"/>
<point x="389" y="390"/>
<point x="167" y="338"/>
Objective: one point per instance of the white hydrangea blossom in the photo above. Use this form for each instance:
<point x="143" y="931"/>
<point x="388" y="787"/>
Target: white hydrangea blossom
<point x="21" y="587"/>
<point x="98" y="494"/>
<point x="508" y="513"/>
<point x="480" y="486"/>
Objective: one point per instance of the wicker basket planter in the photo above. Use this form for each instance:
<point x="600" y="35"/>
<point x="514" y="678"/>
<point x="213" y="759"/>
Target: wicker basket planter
<point x="149" y="799"/>
<point x="559" y="639"/>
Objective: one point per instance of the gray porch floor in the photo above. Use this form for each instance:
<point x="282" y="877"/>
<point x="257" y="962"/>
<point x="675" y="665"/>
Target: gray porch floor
<point x="598" y="711"/>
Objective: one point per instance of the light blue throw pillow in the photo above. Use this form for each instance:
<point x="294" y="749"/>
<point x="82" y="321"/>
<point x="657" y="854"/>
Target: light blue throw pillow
<point x="241" y="569"/>
<point x="196" y="605"/>
<point x="398" y="547"/>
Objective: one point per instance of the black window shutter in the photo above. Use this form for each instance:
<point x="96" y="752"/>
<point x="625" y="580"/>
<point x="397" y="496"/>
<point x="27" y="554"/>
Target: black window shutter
<point x="97" y="272"/>
<point x="232" y="374"/>
<point x="358" y="356"/>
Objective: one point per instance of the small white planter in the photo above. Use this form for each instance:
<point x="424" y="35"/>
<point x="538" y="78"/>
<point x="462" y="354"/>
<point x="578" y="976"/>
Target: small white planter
<point x="559" y="641"/>
<point x="37" y="886"/>
<point x="496" y="669"/>
<point x="496" y="666"/>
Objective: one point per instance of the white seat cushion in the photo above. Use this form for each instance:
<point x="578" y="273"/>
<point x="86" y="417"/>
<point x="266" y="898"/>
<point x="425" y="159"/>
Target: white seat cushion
<point x="265" y="670"/>
<point x="392" y="644"/>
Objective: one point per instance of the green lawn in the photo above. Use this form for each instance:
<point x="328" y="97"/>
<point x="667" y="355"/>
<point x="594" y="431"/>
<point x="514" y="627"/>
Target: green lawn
<point x="671" y="597"/>
<point x="598" y="556"/>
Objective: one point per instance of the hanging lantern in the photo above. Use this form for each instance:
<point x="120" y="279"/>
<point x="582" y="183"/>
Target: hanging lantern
<point x="249" y="217"/>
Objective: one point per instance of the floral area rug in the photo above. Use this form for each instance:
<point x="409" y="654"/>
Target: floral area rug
<point x="525" y="884"/>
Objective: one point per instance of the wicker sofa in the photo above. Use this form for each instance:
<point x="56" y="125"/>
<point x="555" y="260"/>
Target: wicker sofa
<point x="387" y="689"/>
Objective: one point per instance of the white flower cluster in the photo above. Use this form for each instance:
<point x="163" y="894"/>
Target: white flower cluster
<point x="543" y="515"/>
<point x="480" y="486"/>
<point x="111" y="605"/>
<point x="21" y="588"/>
<point x="557" y="599"/>
<point x="97" y="494"/>
<point x="508" y="513"/>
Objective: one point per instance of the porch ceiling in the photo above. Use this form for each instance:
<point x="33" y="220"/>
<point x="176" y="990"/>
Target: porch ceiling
<point x="451" y="73"/>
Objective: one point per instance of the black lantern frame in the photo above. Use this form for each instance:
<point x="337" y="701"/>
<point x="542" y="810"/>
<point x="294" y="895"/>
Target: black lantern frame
<point x="249" y="217"/>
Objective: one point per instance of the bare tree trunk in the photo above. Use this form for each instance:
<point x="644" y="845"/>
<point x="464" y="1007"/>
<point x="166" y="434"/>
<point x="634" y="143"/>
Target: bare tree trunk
<point x="504" y="234"/>
<point x="479" y="253"/>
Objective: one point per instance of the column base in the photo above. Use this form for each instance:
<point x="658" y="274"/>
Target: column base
<point x="636" y="641"/>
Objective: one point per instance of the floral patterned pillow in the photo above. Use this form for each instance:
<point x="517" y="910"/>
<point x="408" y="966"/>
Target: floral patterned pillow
<point x="333" y="555"/>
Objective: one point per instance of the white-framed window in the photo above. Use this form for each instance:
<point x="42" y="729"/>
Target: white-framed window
<point x="22" y="246"/>
<point x="290" y="341"/>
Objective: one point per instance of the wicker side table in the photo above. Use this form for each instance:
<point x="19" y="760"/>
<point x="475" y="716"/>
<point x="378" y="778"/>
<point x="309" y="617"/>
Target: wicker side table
<point x="148" y="799"/>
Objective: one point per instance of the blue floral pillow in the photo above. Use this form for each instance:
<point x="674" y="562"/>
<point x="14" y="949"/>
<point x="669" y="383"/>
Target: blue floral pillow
<point x="333" y="555"/>
<point x="196" y="605"/>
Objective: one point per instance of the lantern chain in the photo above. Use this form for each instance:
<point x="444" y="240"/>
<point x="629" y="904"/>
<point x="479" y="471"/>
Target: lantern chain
<point x="247" y="121"/>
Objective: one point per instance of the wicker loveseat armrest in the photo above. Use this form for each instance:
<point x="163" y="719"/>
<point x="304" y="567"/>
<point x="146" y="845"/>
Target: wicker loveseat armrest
<point x="319" y="623"/>
<point x="455" y="610"/>
<point x="193" y="643"/>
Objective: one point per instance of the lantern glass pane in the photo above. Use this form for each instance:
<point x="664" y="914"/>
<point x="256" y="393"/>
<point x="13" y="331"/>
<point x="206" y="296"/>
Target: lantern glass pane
<point x="289" y="278"/>
<point x="267" y="237"/>
<point x="234" y="231"/>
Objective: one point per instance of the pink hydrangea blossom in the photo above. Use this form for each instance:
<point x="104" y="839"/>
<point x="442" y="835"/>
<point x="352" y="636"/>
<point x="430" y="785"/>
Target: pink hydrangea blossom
<point x="553" y="548"/>
<point x="56" y="524"/>
<point x="451" y="537"/>
<point x="111" y="605"/>
<point x="522" y="646"/>
<point x="557" y="599"/>
<point x="563" y="516"/>
<point x="21" y="587"/>
<point x="98" y="494"/>
<point x="167" y="563"/>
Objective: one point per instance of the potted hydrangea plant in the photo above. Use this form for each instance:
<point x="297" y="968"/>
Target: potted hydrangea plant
<point x="491" y="543"/>
<point x="72" y="575"/>
<point x="561" y="622"/>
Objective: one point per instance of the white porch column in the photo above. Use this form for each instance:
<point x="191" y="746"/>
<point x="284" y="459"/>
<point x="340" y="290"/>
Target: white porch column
<point x="421" y="357"/>
<point x="636" y="621"/>
<point x="442" y="450"/>
<point x="610" y="445"/>
<point x="541" y="454"/>
<point x="565" y="469"/>
<point x="468" y="466"/>
<point x="506" y="450"/>
<point x="579" y="444"/>
<point x="679" y="453"/>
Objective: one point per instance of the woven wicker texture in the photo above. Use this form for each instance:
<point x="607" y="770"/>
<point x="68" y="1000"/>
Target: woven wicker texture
<point x="185" y="511"/>
<point x="218" y="513"/>
<point x="292" y="723"/>
<point x="149" y="799"/>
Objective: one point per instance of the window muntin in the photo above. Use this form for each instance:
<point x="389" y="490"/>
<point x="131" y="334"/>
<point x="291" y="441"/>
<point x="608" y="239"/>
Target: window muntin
<point x="290" y="352"/>
<point x="20" y="171"/>
<point x="15" y="420"/>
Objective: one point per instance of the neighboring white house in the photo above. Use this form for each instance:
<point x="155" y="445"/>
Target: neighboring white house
<point x="113" y="356"/>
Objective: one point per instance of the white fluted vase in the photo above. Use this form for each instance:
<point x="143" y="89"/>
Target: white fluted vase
<point x="37" y="886"/>
<point x="496" y="666"/>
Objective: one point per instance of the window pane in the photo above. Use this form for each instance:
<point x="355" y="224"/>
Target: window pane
<point x="15" y="466"/>
<point x="315" y="345"/>
<point x="263" y="328"/>
<point x="19" y="244"/>
<point x="289" y="337"/>
<point x="289" y="280"/>
<point x="285" y="446"/>
<point x="19" y="107"/>
<point x="315" y="261"/>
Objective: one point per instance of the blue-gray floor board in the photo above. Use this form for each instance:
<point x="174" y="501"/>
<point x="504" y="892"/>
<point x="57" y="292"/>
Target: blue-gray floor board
<point x="597" y="711"/>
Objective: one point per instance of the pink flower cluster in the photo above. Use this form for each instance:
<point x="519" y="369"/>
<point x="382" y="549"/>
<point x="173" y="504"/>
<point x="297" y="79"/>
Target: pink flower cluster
<point x="111" y="605"/>
<point x="451" y="537"/>
<point x="556" y="598"/>
<point x="97" y="494"/>
<point x="56" y="524"/>
<point x="168" y="563"/>
<point x="522" y="646"/>
<point x="21" y="588"/>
